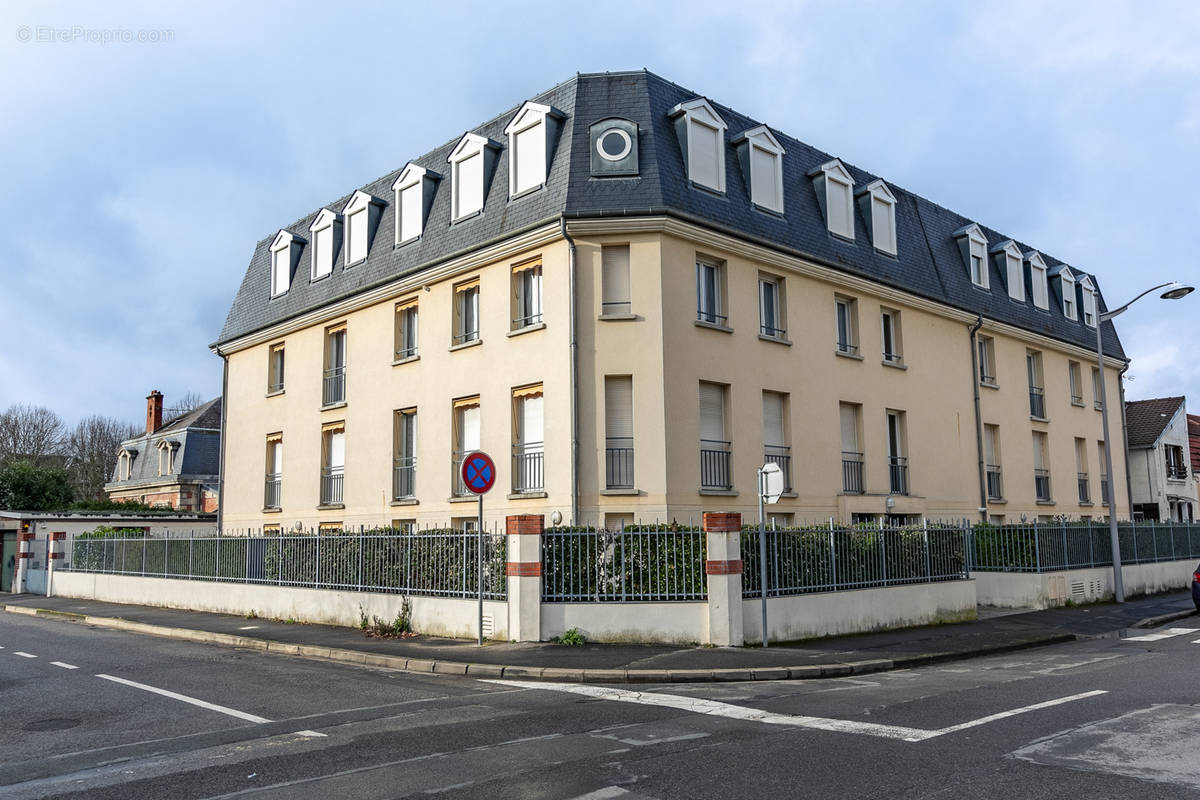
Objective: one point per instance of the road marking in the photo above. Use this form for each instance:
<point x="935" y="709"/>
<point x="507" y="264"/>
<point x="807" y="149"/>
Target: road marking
<point x="23" y="655"/>
<point x="248" y="628"/>
<point x="64" y="666"/>
<point x="1167" y="634"/>
<point x="712" y="707"/>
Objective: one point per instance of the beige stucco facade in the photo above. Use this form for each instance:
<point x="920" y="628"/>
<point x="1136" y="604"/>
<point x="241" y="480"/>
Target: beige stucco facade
<point x="667" y="354"/>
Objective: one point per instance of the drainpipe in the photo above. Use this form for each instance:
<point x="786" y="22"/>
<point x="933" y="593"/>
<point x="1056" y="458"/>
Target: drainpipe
<point x="1124" y="447"/>
<point x="574" y="377"/>
<point x="224" y="412"/>
<point x="978" y="419"/>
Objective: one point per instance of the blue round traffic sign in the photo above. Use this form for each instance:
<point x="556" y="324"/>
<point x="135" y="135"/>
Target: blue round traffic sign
<point x="478" y="472"/>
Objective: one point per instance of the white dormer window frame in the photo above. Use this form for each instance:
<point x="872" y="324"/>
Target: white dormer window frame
<point x="835" y="189"/>
<point x="1014" y="270"/>
<point x="469" y="175"/>
<point x="125" y="464"/>
<point x="1038" y="280"/>
<point x="1066" y="282"/>
<point x="282" y="254"/>
<point x="881" y="212"/>
<point x="703" y="132"/>
<point x="356" y="221"/>
<point x="324" y="239"/>
<point x="763" y="167"/>
<point x="414" y="188"/>
<point x="1089" y="307"/>
<point x="974" y="245"/>
<point x="166" y="457"/>
<point x="530" y="136"/>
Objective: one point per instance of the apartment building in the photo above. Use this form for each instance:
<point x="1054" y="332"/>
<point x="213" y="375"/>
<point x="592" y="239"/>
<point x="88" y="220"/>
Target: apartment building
<point x="632" y="297"/>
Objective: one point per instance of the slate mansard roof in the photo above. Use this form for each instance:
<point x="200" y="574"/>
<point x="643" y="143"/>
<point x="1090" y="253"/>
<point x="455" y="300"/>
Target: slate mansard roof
<point x="1147" y="419"/>
<point x="928" y="264"/>
<point x="196" y="437"/>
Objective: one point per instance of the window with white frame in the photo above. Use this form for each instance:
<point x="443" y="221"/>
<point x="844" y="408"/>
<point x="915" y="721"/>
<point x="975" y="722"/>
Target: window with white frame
<point x="530" y="135"/>
<point x="469" y="166"/>
<point x="1014" y="270"/>
<point x="986" y="346"/>
<point x="466" y="312"/>
<point x="893" y="351"/>
<point x="323" y="232"/>
<point x="1038" y="281"/>
<point x="702" y="136"/>
<point x="166" y="458"/>
<point x="714" y="447"/>
<point x="762" y="156"/>
<point x="124" y="465"/>
<point x="274" y="471"/>
<point x="333" y="463"/>
<point x="1087" y="291"/>
<point x="404" y="454"/>
<point x="882" y="217"/>
<point x="528" y="440"/>
<point x="614" y="280"/>
<point x="835" y="191"/>
<point x="406" y="329"/>
<point x="973" y="244"/>
<point x="1075" y="378"/>
<point x="846" y="314"/>
<point x="282" y="251"/>
<point x="414" y="189"/>
<point x="771" y="307"/>
<point x="1066" y="283"/>
<point x="527" y="294"/>
<point x="275" y="364"/>
<point x="359" y="215"/>
<point x="709" y="292"/>
<point x="618" y="432"/>
<point x="466" y="439"/>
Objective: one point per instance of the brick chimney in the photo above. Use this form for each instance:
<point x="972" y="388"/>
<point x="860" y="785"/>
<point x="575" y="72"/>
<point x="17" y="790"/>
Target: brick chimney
<point x="154" y="411"/>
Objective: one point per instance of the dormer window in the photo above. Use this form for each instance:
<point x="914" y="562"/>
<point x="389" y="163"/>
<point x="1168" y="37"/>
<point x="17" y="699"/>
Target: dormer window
<point x="414" y="190"/>
<point x="1087" y="291"/>
<point x="1037" y="280"/>
<point x="701" y="134"/>
<point x="1009" y="262"/>
<point x="361" y="217"/>
<point x="285" y="252"/>
<point x="326" y="233"/>
<point x="125" y="463"/>
<point x="835" y="189"/>
<point x="531" y="137"/>
<point x="973" y="245"/>
<point x="471" y="165"/>
<point x="1066" y="286"/>
<point x="879" y="208"/>
<point x="166" y="457"/>
<point x="761" y="158"/>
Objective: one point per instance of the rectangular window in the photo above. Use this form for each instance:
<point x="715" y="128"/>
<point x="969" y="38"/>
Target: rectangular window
<point x="1097" y="390"/>
<point x="404" y="454"/>
<point x="528" y="440"/>
<point x="1041" y="468"/>
<point x="466" y="312"/>
<point x="709" y="293"/>
<point x="527" y="294"/>
<point x="705" y="143"/>
<point x="1076" y="379"/>
<point x="897" y="458"/>
<point x="334" y="389"/>
<point x="530" y="155"/>
<point x="714" y="448"/>
<point x="275" y="369"/>
<point x="1037" y="393"/>
<point x="1176" y="467"/>
<point x="164" y="460"/>
<point x="333" y="463"/>
<point x="618" y="432"/>
<point x="1041" y="296"/>
<point x="1016" y="276"/>
<point x="274" y="471"/>
<point x="839" y="204"/>
<point x="770" y="307"/>
<point x="764" y="181"/>
<point x="329" y="528"/>
<point x="322" y="252"/>
<point x="991" y="454"/>
<point x="272" y="530"/>
<point x="468" y="184"/>
<point x="1104" y="489"/>
<point x="1089" y="307"/>
<point x="356" y="232"/>
<point x="852" y="457"/>
<point x="883" y="224"/>
<point x="412" y="210"/>
<point x="614" y="279"/>
<point x="406" y="329"/>
<point x="466" y="439"/>
<point x="775" y="441"/>
<point x="281" y="270"/>
<point x="987" y="360"/>
<point x="979" y="273"/>
<point x="846" y="312"/>
<point x="1081" y="469"/>
<point x="893" y="352"/>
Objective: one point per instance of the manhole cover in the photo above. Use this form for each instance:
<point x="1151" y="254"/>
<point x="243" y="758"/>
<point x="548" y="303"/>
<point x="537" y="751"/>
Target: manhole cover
<point x="53" y="724"/>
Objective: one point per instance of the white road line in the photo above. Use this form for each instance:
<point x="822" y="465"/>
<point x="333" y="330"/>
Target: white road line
<point x="23" y="655"/>
<point x="1167" y="634"/>
<point x="248" y="628"/>
<point x="702" y="706"/>
<point x="64" y="666"/>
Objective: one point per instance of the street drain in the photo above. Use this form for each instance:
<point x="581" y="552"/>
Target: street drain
<point x="52" y="724"/>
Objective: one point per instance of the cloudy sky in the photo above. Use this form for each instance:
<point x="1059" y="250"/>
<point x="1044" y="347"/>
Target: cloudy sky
<point x="137" y="175"/>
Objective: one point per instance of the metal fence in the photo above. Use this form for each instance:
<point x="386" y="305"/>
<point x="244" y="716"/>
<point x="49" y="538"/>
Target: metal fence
<point x="645" y="563"/>
<point x="1052" y="547"/>
<point x="830" y="558"/>
<point x="440" y="562"/>
<point x="714" y="465"/>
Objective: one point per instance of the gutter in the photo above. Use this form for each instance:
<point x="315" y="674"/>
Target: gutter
<point x="224" y="411"/>
<point x="1124" y="444"/>
<point x="978" y="418"/>
<point x="574" y="376"/>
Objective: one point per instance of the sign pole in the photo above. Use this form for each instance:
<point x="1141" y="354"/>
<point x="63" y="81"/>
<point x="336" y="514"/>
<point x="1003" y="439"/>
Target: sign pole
<point x="762" y="555"/>
<point x="478" y="476"/>
<point x="479" y="567"/>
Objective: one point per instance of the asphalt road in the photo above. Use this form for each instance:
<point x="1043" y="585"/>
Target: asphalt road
<point x="107" y="714"/>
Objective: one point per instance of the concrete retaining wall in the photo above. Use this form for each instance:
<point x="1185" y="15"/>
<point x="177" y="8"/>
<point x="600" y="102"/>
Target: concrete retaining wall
<point x="1049" y="589"/>
<point x="671" y="623"/>
<point x="808" y="616"/>
<point x="435" y="616"/>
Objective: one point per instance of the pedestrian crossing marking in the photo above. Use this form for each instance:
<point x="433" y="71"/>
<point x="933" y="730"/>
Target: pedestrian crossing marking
<point x="1167" y="634"/>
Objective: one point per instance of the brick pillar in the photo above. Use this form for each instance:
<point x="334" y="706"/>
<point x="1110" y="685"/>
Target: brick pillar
<point x="154" y="411"/>
<point x="723" y="566"/>
<point x="524" y="532"/>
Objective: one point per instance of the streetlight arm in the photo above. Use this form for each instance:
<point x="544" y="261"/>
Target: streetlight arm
<point x="1107" y="315"/>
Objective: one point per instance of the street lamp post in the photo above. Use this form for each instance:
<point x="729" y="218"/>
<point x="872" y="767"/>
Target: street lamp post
<point x="1174" y="291"/>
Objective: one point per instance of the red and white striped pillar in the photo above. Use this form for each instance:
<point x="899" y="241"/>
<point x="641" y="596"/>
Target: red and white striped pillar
<point x="524" y="532"/>
<point x="24" y="553"/>
<point x="54" y="554"/>
<point x="723" y="565"/>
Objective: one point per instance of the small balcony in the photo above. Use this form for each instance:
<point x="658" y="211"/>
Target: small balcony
<point x="456" y="481"/>
<point x="852" y="472"/>
<point x="618" y="462"/>
<point x="1085" y="495"/>
<point x="528" y="467"/>
<point x="714" y="465"/>
<point x="272" y="490"/>
<point x="1176" y="472"/>
<point x="331" y="485"/>
<point x="1037" y="402"/>
<point x="898" y="474"/>
<point x="334" y="390"/>
<point x="404" y="478"/>
<point x="1076" y="399"/>
<point x="995" y="483"/>
<point x="1041" y="485"/>
<point x="711" y="316"/>
<point x="780" y="455"/>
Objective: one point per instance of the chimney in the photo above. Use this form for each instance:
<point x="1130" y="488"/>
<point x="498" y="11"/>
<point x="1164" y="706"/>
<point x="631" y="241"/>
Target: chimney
<point x="154" y="410"/>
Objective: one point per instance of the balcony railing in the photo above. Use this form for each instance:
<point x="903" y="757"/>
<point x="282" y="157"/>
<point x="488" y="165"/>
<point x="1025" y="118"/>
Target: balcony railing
<point x="852" y="472"/>
<point x="404" y="477"/>
<point x="995" y="483"/>
<point x="1041" y="484"/>
<point x="772" y="331"/>
<point x="846" y="347"/>
<point x="1076" y="399"/>
<point x="781" y="455"/>
<point x="618" y="462"/>
<point x="526" y="321"/>
<point x="456" y="462"/>
<point x="331" y="485"/>
<point x="1104" y="489"/>
<point x="711" y="316"/>
<point x="1085" y="495"/>
<point x="1177" y="472"/>
<point x="528" y="467"/>
<point x="462" y="337"/>
<point x="335" y="386"/>
<point x="714" y="465"/>
<point x="893" y="358"/>
<point x="1037" y="402"/>
<point x="271" y="493"/>
<point x="610" y="307"/>
<point x="984" y="377"/>
<point x="898" y="474"/>
<point x="274" y="386"/>
<point x="406" y="351"/>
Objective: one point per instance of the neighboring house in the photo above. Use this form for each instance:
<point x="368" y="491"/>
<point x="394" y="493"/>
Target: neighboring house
<point x="1193" y="423"/>
<point x="632" y="297"/>
<point x="1159" y="454"/>
<point x="174" y="463"/>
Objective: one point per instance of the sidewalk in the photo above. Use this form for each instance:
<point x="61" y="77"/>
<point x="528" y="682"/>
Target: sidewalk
<point x="874" y="652"/>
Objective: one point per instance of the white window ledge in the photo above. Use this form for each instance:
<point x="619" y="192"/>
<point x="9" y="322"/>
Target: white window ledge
<point x="527" y="329"/>
<point x="333" y="406"/>
<point x="719" y="492"/>
<point x="699" y="323"/>
<point x="620" y="492"/>
<point x="466" y="498"/>
<point x="465" y="345"/>
<point x="844" y="354"/>
<point x="894" y="364"/>
<point x="275" y="393"/>
<point x="406" y="501"/>
<point x="527" y="495"/>
<point x="331" y="506"/>
<point x="406" y="360"/>
<point x="617" y="317"/>
<point x="272" y="510"/>
<point x="775" y="339"/>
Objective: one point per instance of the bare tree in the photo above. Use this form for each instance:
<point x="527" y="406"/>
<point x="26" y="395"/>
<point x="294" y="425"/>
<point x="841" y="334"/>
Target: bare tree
<point x="92" y="448"/>
<point x="32" y="432"/>
<point x="188" y="403"/>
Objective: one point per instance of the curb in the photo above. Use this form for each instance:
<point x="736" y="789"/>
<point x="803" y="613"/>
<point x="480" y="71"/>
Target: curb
<point x="1162" y="619"/>
<point x="835" y="669"/>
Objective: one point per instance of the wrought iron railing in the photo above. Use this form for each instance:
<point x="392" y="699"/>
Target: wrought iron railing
<point x="1043" y="547"/>
<point x="1041" y="484"/>
<point x="334" y="390"/>
<point x="893" y="358"/>
<point x="1085" y="495"/>
<point x="1037" y="402"/>
<point x="528" y="473"/>
<point x="782" y="456"/>
<point x="635" y="563"/>
<point x="271" y="491"/>
<point x="898" y="474"/>
<point x="464" y="336"/>
<point x="714" y="465"/>
<point x="995" y="483"/>
<point x="852" y="472"/>
<point x="616" y="307"/>
<point x="456" y="480"/>
<point x="526" y="321"/>
<point x="404" y="477"/>
<point x="772" y="331"/>
<point x="711" y="317"/>
<point x="331" y="485"/>
<point x="618" y="462"/>
<point x="1104" y="489"/>
<point x="1176" y="471"/>
<point x="846" y="347"/>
